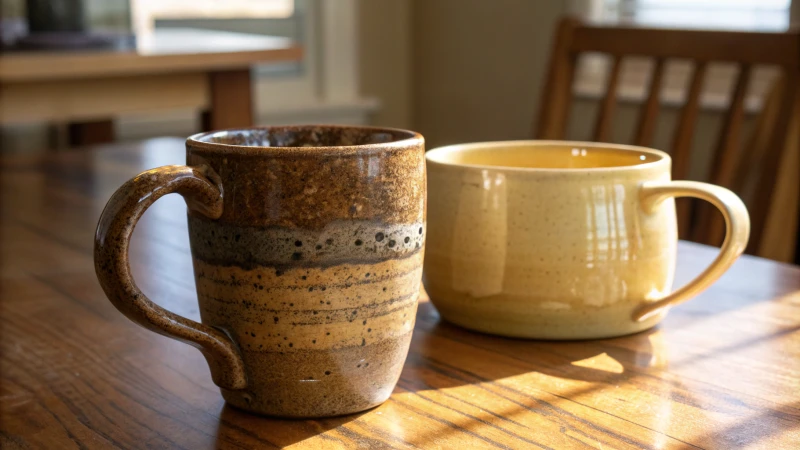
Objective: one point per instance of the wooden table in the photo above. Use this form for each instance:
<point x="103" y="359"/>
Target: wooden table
<point x="170" y="69"/>
<point x="723" y="371"/>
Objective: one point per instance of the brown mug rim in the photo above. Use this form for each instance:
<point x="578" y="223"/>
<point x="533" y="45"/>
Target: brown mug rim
<point x="408" y="138"/>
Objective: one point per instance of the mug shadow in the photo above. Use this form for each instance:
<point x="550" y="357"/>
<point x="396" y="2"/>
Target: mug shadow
<point x="240" y="429"/>
<point x="445" y="355"/>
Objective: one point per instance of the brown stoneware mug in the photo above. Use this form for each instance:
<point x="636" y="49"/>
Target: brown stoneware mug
<point x="307" y="244"/>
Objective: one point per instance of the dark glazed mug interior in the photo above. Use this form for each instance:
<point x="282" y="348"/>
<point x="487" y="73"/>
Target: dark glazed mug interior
<point x="314" y="266"/>
<point x="304" y="136"/>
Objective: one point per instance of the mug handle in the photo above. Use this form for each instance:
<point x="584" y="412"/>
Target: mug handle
<point x="201" y="188"/>
<point x="737" y="232"/>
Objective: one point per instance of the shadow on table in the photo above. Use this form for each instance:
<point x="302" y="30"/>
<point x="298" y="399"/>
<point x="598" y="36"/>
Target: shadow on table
<point x="239" y="429"/>
<point x="774" y="427"/>
<point x="445" y="355"/>
<point x="509" y="379"/>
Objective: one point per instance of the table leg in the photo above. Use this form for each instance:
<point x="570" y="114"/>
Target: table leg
<point x="231" y="100"/>
<point x="90" y="133"/>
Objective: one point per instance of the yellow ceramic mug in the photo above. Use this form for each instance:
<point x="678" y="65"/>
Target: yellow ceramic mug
<point x="561" y="240"/>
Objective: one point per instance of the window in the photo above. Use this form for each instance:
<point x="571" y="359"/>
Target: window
<point x="146" y="12"/>
<point x="281" y="18"/>
<point x="749" y="15"/>
<point x="741" y="15"/>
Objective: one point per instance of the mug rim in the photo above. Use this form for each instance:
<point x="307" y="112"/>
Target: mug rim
<point x="410" y="138"/>
<point x="434" y="156"/>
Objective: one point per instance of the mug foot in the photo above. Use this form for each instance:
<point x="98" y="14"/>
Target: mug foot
<point x="296" y="413"/>
<point x="550" y="328"/>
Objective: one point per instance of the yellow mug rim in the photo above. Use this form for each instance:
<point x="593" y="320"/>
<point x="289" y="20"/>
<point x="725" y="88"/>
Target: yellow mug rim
<point x="438" y="155"/>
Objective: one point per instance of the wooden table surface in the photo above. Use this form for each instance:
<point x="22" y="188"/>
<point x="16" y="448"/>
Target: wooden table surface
<point x="723" y="371"/>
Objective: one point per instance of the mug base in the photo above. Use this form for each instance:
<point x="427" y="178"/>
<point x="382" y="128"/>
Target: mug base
<point x="243" y="401"/>
<point x="549" y="329"/>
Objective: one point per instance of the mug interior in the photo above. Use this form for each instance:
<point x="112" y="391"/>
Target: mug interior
<point x="304" y="136"/>
<point x="545" y="155"/>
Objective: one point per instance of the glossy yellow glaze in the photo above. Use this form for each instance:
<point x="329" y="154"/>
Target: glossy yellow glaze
<point x="561" y="240"/>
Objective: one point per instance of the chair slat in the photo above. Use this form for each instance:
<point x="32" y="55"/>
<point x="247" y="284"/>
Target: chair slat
<point x="790" y="104"/>
<point x="649" y="113"/>
<point x="758" y="142"/>
<point x="710" y="228"/>
<point x="557" y="89"/>
<point x="682" y="146"/>
<point x="602" y="129"/>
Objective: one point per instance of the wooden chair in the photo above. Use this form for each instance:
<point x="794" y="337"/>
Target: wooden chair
<point x="732" y="164"/>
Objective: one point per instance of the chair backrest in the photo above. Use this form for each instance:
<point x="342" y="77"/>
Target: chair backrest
<point x="731" y="166"/>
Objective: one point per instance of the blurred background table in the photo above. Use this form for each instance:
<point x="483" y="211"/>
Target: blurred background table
<point x="170" y="69"/>
<point x="720" y="372"/>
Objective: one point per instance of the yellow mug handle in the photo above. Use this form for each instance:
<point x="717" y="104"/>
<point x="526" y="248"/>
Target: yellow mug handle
<point x="737" y="232"/>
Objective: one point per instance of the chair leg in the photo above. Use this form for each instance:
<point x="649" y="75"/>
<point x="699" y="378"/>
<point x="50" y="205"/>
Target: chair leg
<point x="90" y="133"/>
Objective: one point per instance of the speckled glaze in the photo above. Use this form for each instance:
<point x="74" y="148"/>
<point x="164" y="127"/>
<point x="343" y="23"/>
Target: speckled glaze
<point x="307" y="245"/>
<point x="561" y="240"/>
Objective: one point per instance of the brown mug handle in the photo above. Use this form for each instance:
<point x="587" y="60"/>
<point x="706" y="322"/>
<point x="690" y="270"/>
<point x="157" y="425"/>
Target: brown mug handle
<point x="202" y="190"/>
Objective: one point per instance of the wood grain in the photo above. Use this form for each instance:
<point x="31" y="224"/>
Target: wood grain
<point x="720" y="372"/>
